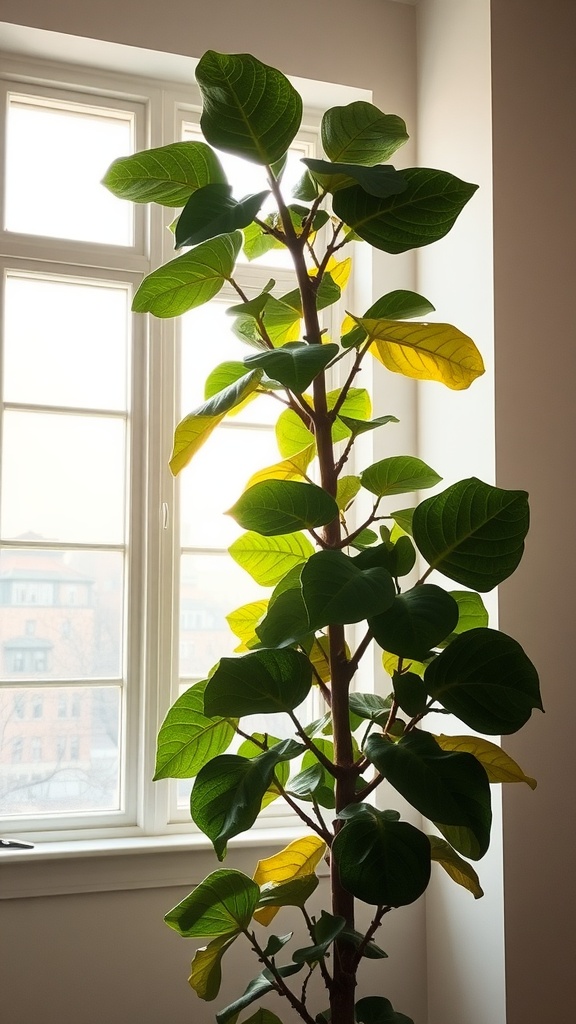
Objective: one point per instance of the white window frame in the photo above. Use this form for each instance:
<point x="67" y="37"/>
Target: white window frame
<point x="159" y="107"/>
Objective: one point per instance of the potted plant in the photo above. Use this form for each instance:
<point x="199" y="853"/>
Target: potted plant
<point x="332" y="571"/>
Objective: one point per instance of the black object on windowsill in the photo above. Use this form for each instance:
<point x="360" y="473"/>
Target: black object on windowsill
<point x="15" y="844"/>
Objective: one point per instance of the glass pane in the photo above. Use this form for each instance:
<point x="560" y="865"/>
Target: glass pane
<point x="207" y="340"/>
<point x="60" y="614"/>
<point x="216" y="478"/>
<point x="63" y="477"/>
<point x="66" y="343"/>
<point x="56" y="157"/>
<point x="59" y="749"/>
<point x="211" y="586"/>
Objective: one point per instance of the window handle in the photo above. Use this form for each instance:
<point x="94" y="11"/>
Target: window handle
<point x="165" y="515"/>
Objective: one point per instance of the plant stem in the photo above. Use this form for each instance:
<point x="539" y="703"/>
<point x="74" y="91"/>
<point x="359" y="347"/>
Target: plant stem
<point x="279" y="983"/>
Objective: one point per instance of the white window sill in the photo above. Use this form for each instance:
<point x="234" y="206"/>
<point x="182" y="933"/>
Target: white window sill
<point x="100" y="865"/>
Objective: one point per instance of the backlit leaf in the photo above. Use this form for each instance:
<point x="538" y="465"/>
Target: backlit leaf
<point x="206" y="973"/>
<point x="222" y="904"/>
<point x="348" y="487"/>
<point x="296" y="860"/>
<point x="423" y="351"/>
<point x="397" y="305"/>
<point x="293" y="468"/>
<point x="167" y="175"/>
<point x="189" y="280"/>
<point x="459" y="870"/>
<point x="188" y="738"/>
<point x="268" y="559"/>
<point x="292" y="436"/>
<point x="398" y="475"/>
<point x="243" y="620"/>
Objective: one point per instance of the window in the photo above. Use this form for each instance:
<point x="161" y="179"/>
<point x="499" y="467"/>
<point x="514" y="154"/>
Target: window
<point x="95" y="535"/>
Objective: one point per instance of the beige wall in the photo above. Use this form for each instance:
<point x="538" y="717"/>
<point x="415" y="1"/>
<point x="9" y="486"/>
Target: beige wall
<point x="534" y="94"/>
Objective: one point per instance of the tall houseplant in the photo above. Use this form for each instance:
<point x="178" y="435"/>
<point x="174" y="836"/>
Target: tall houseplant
<point x="329" y="570"/>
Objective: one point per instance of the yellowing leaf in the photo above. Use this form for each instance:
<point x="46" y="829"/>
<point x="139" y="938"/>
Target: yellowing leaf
<point x="459" y="869"/>
<point x="347" y="325"/>
<point x="425" y="351"/>
<point x="296" y="860"/>
<point x="319" y="657"/>
<point x="206" y="974"/>
<point x="293" y="468"/>
<point x="244" y="620"/>
<point x="391" y="664"/>
<point x="339" y="271"/>
<point x="498" y="765"/>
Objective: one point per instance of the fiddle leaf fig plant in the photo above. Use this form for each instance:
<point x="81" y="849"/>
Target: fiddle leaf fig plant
<point x="337" y="580"/>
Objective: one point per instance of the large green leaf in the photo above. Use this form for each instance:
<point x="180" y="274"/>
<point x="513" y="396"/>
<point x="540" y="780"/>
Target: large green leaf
<point x="189" y="280"/>
<point x="188" y="738"/>
<point x="398" y="475"/>
<point x="250" y="109"/>
<point x="473" y="532"/>
<point x="257" y="988"/>
<point x="263" y="682"/>
<point x="361" y="133"/>
<point x="378" y="1010"/>
<point x="447" y="787"/>
<point x="286" y="621"/>
<point x="195" y="429"/>
<point x="276" y="507"/>
<point x="228" y="792"/>
<point x="424" y="212"/>
<point x="485" y="678"/>
<point x="222" y="904"/>
<point x="458" y="869"/>
<point x="212" y="211"/>
<point x="370" y="706"/>
<point x="295" y="365"/>
<point x="381" y="860"/>
<point x="398" y="557"/>
<point x="335" y="590"/>
<point x="268" y="559"/>
<point x="167" y="175"/>
<point x="206" y="971"/>
<point x="382" y="181"/>
<point x="438" y="352"/>
<point x="415" y="622"/>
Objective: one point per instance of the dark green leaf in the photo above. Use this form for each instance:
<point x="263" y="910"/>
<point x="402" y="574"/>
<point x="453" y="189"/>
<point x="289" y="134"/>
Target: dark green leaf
<point x="190" y="280"/>
<point x="382" y="181"/>
<point x="447" y="787"/>
<point x="295" y="365"/>
<point x="486" y="680"/>
<point x="364" y="540"/>
<point x="283" y="506"/>
<point x="423" y="213"/>
<point x="306" y="189"/>
<point x="410" y="693"/>
<point x="262" y="1016"/>
<point x="212" y="211"/>
<point x="403" y="518"/>
<point x="260" y="683"/>
<point x="188" y="738"/>
<point x="228" y="792"/>
<point x="326" y="930"/>
<point x="416" y="621"/>
<point x="286" y="621"/>
<point x="336" y="591"/>
<point x="371" y="950"/>
<point x="167" y="175"/>
<point x="398" y="475"/>
<point x="250" y="109"/>
<point x="276" y="943"/>
<point x="398" y="558"/>
<point x="361" y="133"/>
<point x="257" y="988"/>
<point x="382" y="861"/>
<point x="378" y="1010"/>
<point x="473" y="532"/>
<point x="361" y="426"/>
<point x="222" y="904"/>
<point x="370" y="706"/>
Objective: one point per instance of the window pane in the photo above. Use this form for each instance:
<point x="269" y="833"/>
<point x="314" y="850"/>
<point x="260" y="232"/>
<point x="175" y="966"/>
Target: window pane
<point x="65" y="760"/>
<point x="57" y="155"/>
<point x="63" y="477"/>
<point x="216" y="478"/>
<point x="207" y="340"/>
<point x="211" y="586"/>
<point x="60" y="614"/>
<point x="73" y="334"/>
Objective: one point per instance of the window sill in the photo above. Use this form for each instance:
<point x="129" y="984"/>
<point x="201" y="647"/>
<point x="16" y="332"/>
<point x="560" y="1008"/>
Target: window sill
<point x="151" y="862"/>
